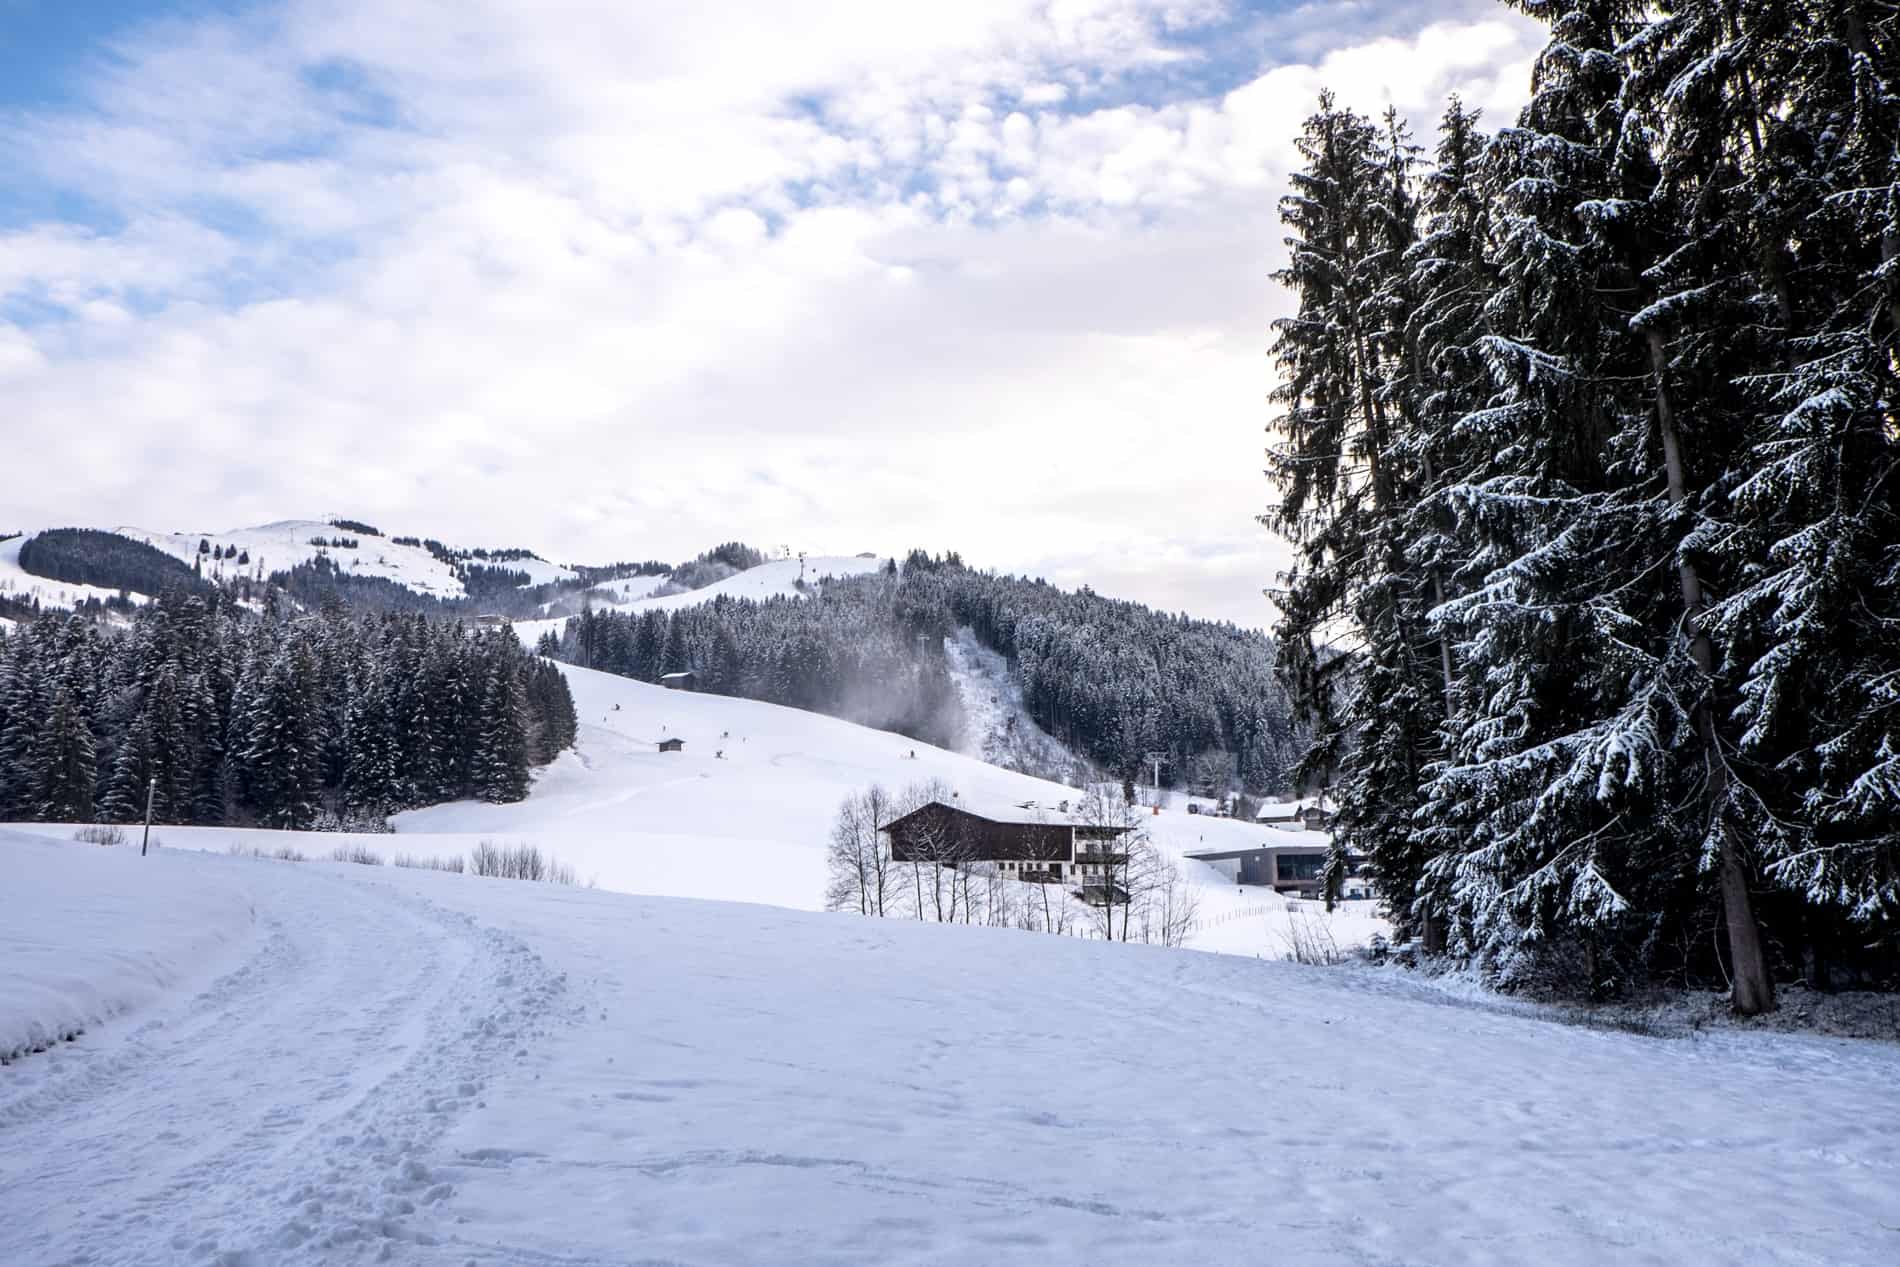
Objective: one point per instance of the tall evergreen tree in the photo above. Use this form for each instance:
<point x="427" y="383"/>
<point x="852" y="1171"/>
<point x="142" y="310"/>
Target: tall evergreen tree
<point x="63" y="763"/>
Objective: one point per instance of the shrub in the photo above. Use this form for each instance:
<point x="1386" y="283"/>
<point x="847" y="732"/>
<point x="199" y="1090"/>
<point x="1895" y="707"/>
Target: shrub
<point x="455" y="864"/>
<point x="283" y="853"/>
<point x="99" y="836"/>
<point x="518" y="862"/>
<point x="356" y="853"/>
<point x="1310" y="941"/>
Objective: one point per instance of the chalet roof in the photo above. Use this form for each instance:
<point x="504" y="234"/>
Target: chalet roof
<point x="1283" y="810"/>
<point x="1003" y="810"/>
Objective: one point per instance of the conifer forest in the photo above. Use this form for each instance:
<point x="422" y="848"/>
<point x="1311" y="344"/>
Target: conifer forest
<point x="228" y="717"/>
<point x="1114" y="680"/>
<point x="1586" y="441"/>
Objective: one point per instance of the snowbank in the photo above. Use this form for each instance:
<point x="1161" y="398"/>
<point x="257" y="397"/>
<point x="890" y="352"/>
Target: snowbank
<point x="88" y="932"/>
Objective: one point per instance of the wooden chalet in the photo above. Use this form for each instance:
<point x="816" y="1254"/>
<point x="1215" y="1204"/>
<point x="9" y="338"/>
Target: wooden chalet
<point x="672" y="745"/>
<point x="1025" y="842"/>
<point x="1311" y="813"/>
<point x="687" y="681"/>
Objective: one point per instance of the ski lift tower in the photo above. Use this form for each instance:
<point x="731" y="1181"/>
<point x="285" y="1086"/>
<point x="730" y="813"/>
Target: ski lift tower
<point x="1156" y="760"/>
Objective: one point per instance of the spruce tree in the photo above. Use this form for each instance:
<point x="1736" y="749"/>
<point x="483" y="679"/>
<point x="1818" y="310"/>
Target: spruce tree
<point x="63" y="763"/>
<point x="502" y="758"/>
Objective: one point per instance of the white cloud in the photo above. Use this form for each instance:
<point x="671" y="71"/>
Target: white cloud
<point x="616" y="282"/>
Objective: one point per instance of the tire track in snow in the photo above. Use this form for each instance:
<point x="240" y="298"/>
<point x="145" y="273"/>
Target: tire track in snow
<point x="287" y="1113"/>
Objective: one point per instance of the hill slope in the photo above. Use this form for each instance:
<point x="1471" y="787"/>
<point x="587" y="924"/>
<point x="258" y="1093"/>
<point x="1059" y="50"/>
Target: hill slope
<point x="278" y="547"/>
<point x="445" y="1070"/>
<point x="751" y="825"/>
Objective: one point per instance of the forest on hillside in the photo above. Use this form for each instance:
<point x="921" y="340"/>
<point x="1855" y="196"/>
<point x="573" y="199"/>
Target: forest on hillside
<point x="290" y="721"/>
<point x="1586" y="442"/>
<point x="1113" y="680"/>
<point x="88" y="556"/>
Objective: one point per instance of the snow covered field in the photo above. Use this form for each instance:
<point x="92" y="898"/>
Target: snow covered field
<point x="376" y="1064"/>
<point x="743" y="813"/>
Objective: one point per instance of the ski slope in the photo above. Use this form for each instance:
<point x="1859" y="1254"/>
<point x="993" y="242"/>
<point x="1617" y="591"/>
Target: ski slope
<point x="371" y="1064"/>
<point x="997" y="725"/>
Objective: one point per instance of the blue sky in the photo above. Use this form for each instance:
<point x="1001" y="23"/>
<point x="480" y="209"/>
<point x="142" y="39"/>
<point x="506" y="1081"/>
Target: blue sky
<point x="990" y="277"/>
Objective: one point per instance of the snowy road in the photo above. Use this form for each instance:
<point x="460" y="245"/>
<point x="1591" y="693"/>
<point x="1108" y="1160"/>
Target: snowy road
<point x="282" y="1110"/>
<point x="393" y="1065"/>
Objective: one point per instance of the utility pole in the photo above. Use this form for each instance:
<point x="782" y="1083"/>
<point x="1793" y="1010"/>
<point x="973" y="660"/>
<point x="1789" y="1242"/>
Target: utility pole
<point x="151" y="788"/>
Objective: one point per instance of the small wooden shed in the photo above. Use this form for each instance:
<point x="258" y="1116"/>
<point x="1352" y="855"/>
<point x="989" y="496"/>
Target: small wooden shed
<point x="672" y="745"/>
<point x="687" y="681"/>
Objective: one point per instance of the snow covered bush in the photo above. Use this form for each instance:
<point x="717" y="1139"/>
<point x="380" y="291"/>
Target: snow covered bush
<point x="519" y="862"/>
<point x="99" y="836"/>
<point x="283" y="853"/>
<point x="356" y="853"/>
<point x="455" y="864"/>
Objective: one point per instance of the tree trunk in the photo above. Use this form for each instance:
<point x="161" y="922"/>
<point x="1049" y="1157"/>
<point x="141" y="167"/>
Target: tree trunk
<point x="1752" y="990"/>
<point x="1438" y="600"/>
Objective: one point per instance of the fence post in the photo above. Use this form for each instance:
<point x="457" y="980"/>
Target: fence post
<point x="150" y="788"/>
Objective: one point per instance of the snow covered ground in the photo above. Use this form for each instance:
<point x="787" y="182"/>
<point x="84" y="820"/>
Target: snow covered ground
<point x="743" y="813"/>
<point x="375" y="1064"/>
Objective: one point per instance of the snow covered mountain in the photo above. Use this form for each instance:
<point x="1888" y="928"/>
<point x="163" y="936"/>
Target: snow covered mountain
<point x="425" y="567"/>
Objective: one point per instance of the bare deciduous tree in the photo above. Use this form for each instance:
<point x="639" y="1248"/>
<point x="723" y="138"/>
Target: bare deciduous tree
<point x="861" y="874"/>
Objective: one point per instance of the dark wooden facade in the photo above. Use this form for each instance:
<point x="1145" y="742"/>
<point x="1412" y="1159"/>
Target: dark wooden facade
<point x="944" y="833"/>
